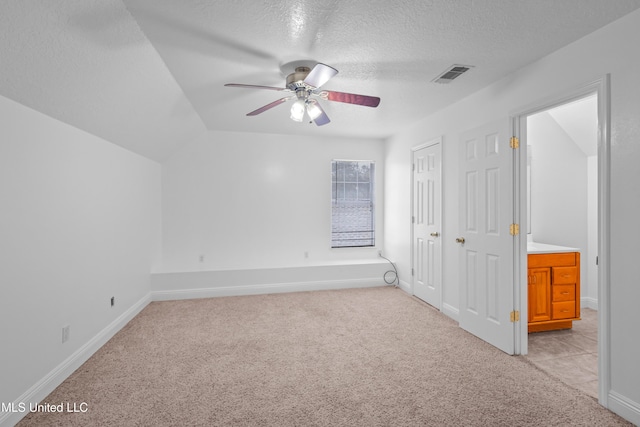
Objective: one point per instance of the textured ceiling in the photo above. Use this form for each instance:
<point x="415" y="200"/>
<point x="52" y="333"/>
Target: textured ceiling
<point x="149" y="74"/>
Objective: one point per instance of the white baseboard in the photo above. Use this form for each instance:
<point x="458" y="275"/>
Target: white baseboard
<point x="624" y="407"/>
<point x="589" y="302"/>
<point x="405" y="287"/>
<point x="447" y="309"/>
<point x="53" y="379"/>
<point x="450" y="311"/>
<point x="258" y="289"/>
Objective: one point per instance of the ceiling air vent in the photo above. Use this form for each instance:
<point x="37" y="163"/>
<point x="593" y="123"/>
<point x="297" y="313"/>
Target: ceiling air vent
<point x="452" y="73"/>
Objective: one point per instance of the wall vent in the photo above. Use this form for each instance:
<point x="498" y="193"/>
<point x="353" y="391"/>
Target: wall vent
<point x="452" y="73"/>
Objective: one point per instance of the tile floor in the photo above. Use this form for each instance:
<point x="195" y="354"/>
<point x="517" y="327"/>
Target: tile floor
<point x="571" y="354"/>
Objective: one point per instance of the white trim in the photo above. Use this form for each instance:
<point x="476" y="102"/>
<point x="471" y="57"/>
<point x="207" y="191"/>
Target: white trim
<point x="405" y="286"/>
<point x="568" y="96"/>
<point x="589" y="302"/>
<point x="271" y="288"/>
<point x="429" y="143"/>
<point x="447" y="309"/>
<point x="520" y="295"/>
<point x="53" y="379"/>
<point x="451" y="311"/>
<point x="624" y="407"/>
<point x="601" y="87"/>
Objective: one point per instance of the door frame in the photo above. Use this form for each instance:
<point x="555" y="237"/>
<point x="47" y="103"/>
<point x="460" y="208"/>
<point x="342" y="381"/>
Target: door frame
<point x="600" y="87"/>
<point x="431" y="142"/>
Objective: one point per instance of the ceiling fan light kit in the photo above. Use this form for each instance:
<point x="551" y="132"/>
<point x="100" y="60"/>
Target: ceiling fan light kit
<point x="305" y="82"/>
<point x="297" y="110"/>
<point x="313" y="109"/>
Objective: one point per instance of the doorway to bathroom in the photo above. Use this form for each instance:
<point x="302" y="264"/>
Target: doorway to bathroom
<point x="562" y="201"/>
<point x="562" y="212"/>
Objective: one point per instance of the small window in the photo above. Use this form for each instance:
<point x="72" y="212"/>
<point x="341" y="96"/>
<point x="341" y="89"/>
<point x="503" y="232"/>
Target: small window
<point x="352" y="213"/>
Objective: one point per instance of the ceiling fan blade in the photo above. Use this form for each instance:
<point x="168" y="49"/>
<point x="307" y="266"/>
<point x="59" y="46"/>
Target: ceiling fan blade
<point x="319" y="75"/>
<point x="269" y="106"/>
<point x="350" y="98"/>
<point x="321" y="118"/>
<point x="258" y="87"/>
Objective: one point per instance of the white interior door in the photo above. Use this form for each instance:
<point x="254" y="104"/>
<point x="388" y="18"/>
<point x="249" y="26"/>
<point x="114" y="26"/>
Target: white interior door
<point x="485" y="243"/>
<point x="426" y="239"/>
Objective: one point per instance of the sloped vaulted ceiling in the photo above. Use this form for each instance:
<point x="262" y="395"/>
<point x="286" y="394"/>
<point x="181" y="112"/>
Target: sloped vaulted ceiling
<point x="148" y="74"/>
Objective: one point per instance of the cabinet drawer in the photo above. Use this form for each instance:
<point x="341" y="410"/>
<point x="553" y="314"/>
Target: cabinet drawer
<point x="551" y="260"/>
<point x="564" y="275"/>
<point x="564" y="293"/>
<point x="563" y="310"/>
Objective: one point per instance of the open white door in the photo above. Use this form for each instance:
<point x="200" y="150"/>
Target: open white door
<point x="486" y="245"/>
<point x="427" y="201"/>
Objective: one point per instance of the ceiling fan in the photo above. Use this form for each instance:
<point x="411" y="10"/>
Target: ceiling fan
<point x="305" y="83"/>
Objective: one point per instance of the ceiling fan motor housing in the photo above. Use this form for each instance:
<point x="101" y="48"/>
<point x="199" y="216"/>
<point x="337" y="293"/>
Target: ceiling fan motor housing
<point x="295" y="80"/>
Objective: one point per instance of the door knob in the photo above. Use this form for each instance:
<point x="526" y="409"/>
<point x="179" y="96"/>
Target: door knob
<point x="435" y="234"/>
<point x="460" y="240"/>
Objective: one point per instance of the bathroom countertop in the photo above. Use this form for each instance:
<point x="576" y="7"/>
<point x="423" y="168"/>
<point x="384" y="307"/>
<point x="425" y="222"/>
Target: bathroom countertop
<point x="543" y="248"/>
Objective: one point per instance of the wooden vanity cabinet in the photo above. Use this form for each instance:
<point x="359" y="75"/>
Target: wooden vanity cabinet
<point x="553" y="290"/>
<point x="539" y="294"/>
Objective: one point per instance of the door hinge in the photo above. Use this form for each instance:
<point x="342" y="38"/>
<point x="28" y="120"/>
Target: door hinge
<point x="412" y="271"/>
<point x="413" y="167"/>
<point x="413" y="219"/>
<point x="514" y="316"/>
<point x="514" y="229"/>
<point x="514" y="142"/>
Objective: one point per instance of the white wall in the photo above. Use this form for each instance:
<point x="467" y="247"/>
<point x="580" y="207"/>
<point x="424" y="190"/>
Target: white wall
<point x="246" y="201"/>
<point x="559" y="198"/>
<point x="605" y="51"/>
<point x="79" y="223"/>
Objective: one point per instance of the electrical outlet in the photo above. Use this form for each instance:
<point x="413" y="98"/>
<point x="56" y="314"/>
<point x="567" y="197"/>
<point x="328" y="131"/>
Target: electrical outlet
<point x="65" y="333"/>
<point x="306" y="254"/>
<point x="113" y="301"/>
<point x="201" y="258"/>
<point x="379" y="253"/>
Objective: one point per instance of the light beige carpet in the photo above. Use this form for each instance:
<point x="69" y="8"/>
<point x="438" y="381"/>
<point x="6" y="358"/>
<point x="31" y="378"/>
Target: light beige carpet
<point x="362" y="357"/>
